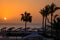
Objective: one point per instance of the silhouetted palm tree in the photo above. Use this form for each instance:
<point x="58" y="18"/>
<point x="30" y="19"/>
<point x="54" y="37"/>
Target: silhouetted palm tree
<point x="53" y="8"/>
<point x="26" y="17"/>
<point x="56" y="26"/>
<point x="44" y="13"/>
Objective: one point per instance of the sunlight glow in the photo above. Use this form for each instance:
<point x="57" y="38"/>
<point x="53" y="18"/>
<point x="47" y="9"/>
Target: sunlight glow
<point x="5" y="18"/>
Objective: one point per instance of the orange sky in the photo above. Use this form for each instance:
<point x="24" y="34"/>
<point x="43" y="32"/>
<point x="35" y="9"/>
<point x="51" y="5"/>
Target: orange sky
<point x="11" y="9"/>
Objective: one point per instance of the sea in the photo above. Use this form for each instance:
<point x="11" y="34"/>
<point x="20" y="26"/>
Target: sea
<point x="20" y="25"/>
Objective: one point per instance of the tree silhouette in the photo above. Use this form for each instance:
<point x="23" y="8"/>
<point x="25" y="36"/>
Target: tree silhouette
<point x="26" y="17"/>
<point x="53" y="8"/>
<point x="44" y="13"/>
<point x="49" y="9"/>
<point x="56" y="26"/>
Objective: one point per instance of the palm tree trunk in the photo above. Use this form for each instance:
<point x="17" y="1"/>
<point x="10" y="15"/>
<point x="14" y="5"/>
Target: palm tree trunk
<point x="51" y="23"/>
<point x="43" y="24"/>
<point x="25" y="25"/>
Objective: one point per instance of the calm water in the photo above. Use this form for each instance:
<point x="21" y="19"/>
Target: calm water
<point x="21" y="25"/>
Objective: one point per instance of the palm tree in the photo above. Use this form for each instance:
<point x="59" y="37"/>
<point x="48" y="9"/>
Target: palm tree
<point x="26" y="17"/>
<point x="56" y="26"/>
<point x="44" y="13"/>
<point x="53" y="8"/>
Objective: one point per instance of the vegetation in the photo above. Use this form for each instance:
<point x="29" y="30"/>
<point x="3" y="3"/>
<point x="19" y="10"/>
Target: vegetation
<point x="54" y="23"/>
<point x="44" y="12"/>
<point x="55" y="27"/>
<point x="26" y="17"/>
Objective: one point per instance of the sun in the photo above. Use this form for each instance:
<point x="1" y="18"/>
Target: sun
<point x="5" y="18"/>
